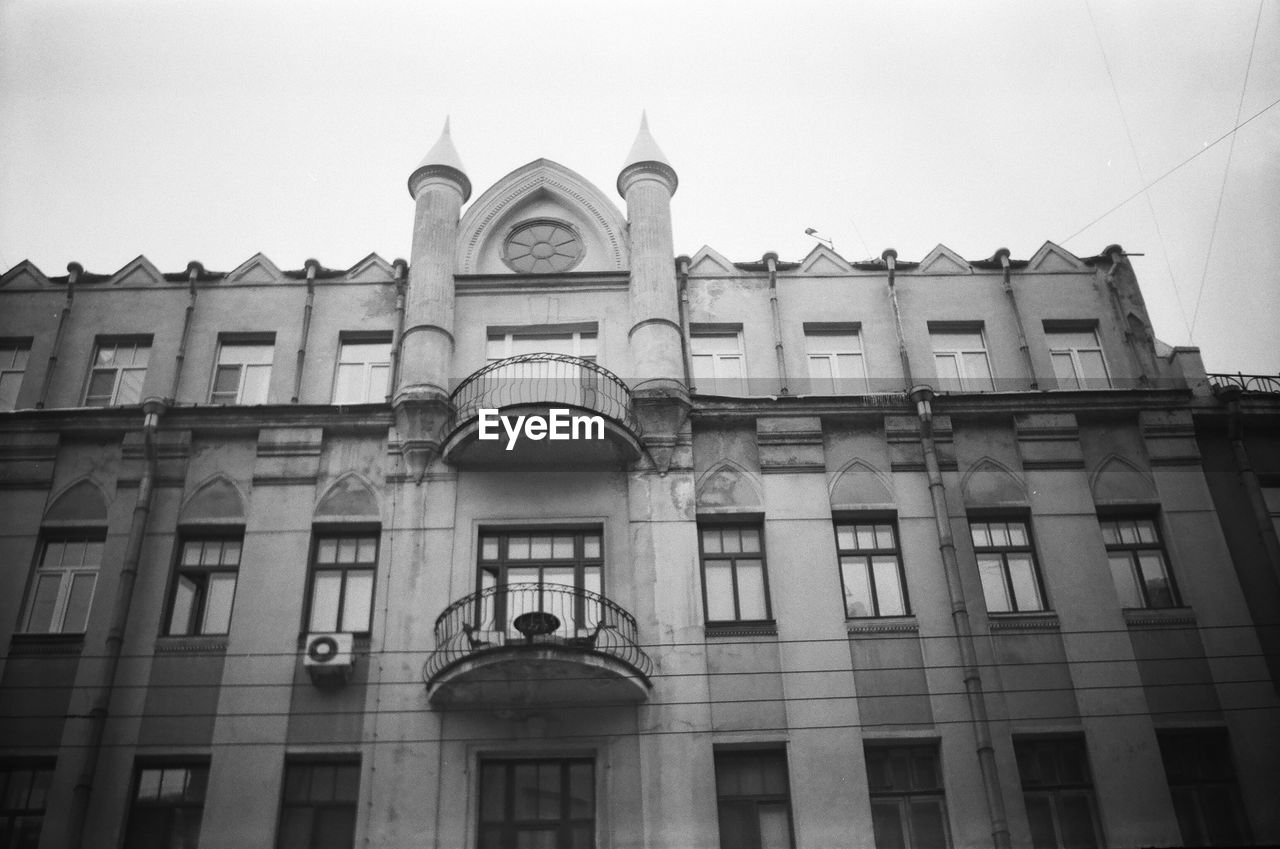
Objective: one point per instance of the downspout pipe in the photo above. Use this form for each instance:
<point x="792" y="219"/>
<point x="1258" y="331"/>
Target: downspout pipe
<point x="922" y="397"/>
<point x="682" y="273"/>
<point x="102" y="685"/>
<point x="1248" y="477"/>
<point x="194" y="270"/>
<point x="402" y="273"/>
<point x="312" y="267"/>
<point x="1023" y="347"/>
<point x="74" y="270"/>
<point x="771" y="263"/>
<point x="890" y="257"/>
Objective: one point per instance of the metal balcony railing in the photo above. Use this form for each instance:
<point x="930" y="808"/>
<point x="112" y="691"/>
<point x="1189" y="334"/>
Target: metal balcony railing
<point x="1269" y="383"/>
<point x="535" y="615"/>
<point x="544" y="379"/>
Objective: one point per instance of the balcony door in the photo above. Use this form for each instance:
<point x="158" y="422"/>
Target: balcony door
<point x="558" y="572"/>
<point x="547" y="803"/>
<point x="531" y="378"/>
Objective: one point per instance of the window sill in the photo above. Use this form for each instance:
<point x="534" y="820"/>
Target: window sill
<point x="192" y="644"/>
<point x="883" y="625"/>
<point x="1159" y="617"/>
<point x="1037" y="620"/>
<point x="762" y="628"/>
<point x="68" y="645"/>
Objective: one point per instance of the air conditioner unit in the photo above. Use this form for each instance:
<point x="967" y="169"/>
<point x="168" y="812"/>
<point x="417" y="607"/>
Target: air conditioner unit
<point x="328" y="657"/>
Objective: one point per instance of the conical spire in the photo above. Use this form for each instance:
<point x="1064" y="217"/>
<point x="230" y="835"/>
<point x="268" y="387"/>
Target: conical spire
<point x="443" y="157"/>
<point x="645" y="152"/>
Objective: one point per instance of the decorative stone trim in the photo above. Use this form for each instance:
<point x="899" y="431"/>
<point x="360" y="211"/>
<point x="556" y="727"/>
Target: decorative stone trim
<point x="762" y="629"/>
<point x="1024" y="622"/>
<point x="191" y="645"/>
<point x="29" y="645"/>
<point x="890" y="627"/>
<point x="1173" y="617"/>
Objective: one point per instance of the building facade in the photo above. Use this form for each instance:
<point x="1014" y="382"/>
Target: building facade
<point x="551" y="538"/>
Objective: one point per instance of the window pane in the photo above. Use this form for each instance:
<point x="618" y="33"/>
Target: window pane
<point x="518" y="548"/>
<point x="927" y="824"/>
<point x="591" y="546"/>
<point x="1110" y="533"/>
<point x="226" y="384"/>
<point x="561" y="576"/>
<point x="1022" y="575"/>
<point x="234" y="353"/>
<point x="1093" y="372"/>
<point x="348" y="388"/>
<point x="981" y="534"/>
<point x="1040" y="818"/>
<point x="845" y="539"/>
<point x="750" y="538"/>
<point x="993" y="587"/>
<point x="1075" y="812"/>
<point x="775" y="825"/>
<point x="149" y="783"/>
<point x="217" y="607"/>
<point x="732" y="540"/>
<point x="488" y="548"/>
<point x="184" y="599"/>
<point x="751" y="593"/>
<point x="42" y="603"/>
<point x="714" y="343"/>
<point x="173" y="784"/>
<point x="562" y="547"/>
<point x="887" y="823"/>
<point x="524" y="788"/>
<point x="888" y="588"/>
<point x="977" y="372"/>
<point x="1017" y="534"/>
<point x="948" y="370"/>
<point x="857" y="589"/>
<point x="492" y="789"/>
<point x="884" y="537"/>
<point x="130" y="391"/>
<point x="295" y="828"/>
<point x="719" y="578"/>
<point x="347" y="548"/>
<point x="324" y="602"/>
<point x="357" y="606"/>
<point x="581" y="790"/>
<point x="821" y="375"/>
<point x="540" y="547"/>
<point x="1146" y="530"/>
<point x="256" y="384"/>
<point x="1064" y="370"/>
<point x="77" y="616"/>
<point x="335" y="828"/>
<point x="1159" y="591"/>
<point x="866" y="535"/>
<point x="101" y="382"/>
<point x="10" y="381"/>
<point x="327" y="551"/>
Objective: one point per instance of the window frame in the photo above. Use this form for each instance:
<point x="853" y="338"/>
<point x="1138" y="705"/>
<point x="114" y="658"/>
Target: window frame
<point x="1029" y="548"/>
<point x="814" y="331"/>
<point x="199" y="606"/>
<point x="136" y="342"/>
<point x="40" y="781"/>
<point x="499" y="569"/>
<point x="363" y="338"/>
<point x="13" y="346"/>
<point x="719" y="382"/>
<point x="902" y="798"/>
<point x="1052" y="328"/>
<point x="1028" y="748"/>
<point x="66" y="579"/>
<point x="722" y="524"/>
<point x="1218" y="740"/>
<point x="242" y="340"/>
<point x="875" y="521"/>
<point x="964" y="381"/>
<point x="509" y="826"/>
<point x="310" y="762"/>
<point x="577" y="333"/>
<point x="1132" y="550"/>
<point x="752" y="801"/>
<point x="357" y="532"/>
<point x="168" y="806"/>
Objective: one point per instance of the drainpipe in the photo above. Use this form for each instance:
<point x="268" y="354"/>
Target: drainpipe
<point x="771" y="262"/>
<point x="1003" y="254"/>
<point x="890" y="257"/>
<point x="1114" y="253"/>
<point x="101" y="688"/>
<point x="402" y="271"/>
<point x="194" y="270"/>
<point x="1248" y="477"/>
<point x="682" y="269"/>
<point x="923" y="397"/>
<point x="74" y="270"/>
<point x="311" y="266"/>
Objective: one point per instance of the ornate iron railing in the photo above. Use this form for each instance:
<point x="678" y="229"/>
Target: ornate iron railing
<point x="535" y="615"/>
<point x="544" y="379"/>
<point x="1247" y="382"/>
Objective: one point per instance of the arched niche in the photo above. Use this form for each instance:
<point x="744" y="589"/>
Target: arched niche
<point x="216" y="500"/>
<point x="542" y="190"/>
<point x="990" y="482"/>
<point x="1120" y="479"/>
<point x="726" y="485"/>
<point x="859" y="484"/>
<point x="349" y="498"/>
<point x="83" y="502"/>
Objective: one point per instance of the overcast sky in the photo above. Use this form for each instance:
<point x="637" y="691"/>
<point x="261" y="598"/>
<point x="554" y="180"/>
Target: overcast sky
<point x="214" y="130"/>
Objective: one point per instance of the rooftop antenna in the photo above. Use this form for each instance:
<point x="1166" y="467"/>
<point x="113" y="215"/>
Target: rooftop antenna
<point x="809" y="231"/>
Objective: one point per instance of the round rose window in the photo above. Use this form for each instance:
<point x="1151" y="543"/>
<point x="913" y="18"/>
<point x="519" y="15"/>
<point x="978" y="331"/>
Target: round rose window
<point x="541" y="247"/>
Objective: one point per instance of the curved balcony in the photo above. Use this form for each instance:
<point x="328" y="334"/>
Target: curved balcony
<point x="536" y="644"/>
<point x="598" y="418"/>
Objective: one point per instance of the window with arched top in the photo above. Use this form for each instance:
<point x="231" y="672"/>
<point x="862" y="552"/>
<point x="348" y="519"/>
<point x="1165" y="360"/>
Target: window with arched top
<point x="68" y="561"/>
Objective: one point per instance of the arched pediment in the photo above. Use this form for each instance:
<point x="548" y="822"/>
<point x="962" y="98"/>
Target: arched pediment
<point x="990" y="482"/>
<point x="726" y="485"/>
<point x="350" y="497"/>
<point x="1119" y="479"/>
<point x="216" y="500"/>
<point x="542" y="190"/>
<point x="859" y="484"/>
<point x="83" y="502"/>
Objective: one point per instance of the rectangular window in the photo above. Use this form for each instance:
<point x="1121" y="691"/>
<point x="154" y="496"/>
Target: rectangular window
<point x="719" y="367"/>
<point x="735" y="587"/>
<point x="871" y="569"/>
<point x="243" y="373"/>
<point x="364" y="371"/>
<point x="168" y="804"/>
<point x="836" y="366"/>
<point x="1058" y="794"/>
<point x="342" y="572"/>
<point x="1007" y="565"/>
<point x="554" y="571"/>
<point x="1077" y="358"/>
<point x="63" y="585"/>
<point x="205" y="586"/>
<point x="1202" y="782"/>
<point x="908" y="806"/>
<point x="535" y="340"/>
<point x="14" y="354"/>
<point x="960" y="357"/>
<point x="1137" y="561"/>
<point x="24" y="791"/>
<point x="318" y="807"/>
<point x="753" y="798"/>
<point x="535" y="803"/>
<point x="119" y="367"/>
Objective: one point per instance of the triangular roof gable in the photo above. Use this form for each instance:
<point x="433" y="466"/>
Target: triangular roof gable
<point x="1051" y="258"/>
<point x="256" y="269"/>
<point x="485" y="221"/>
<point x="26" y="273"/>
<point x="823" y="260"/>
<point x="711" y="262"/>
<point x="372" y="268"/>
<point x="943" y="260"/>
<point x="137" y="272"/>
